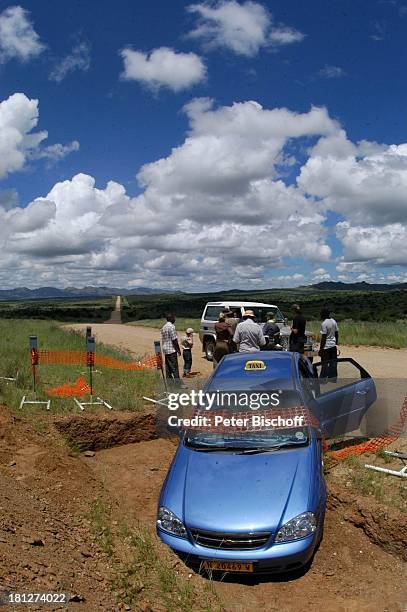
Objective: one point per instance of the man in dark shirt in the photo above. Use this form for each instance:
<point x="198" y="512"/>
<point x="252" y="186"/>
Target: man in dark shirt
<point x="272" y="331"/>
<point x="297" y="336"/>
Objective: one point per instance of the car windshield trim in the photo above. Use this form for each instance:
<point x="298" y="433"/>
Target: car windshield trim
<point x="271" y="449"/>
<point x="202" y="445"/>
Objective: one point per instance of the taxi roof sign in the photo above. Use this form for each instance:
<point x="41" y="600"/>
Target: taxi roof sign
<point x="255" y="364"/>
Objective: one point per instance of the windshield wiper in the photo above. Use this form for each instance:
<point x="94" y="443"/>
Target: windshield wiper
<point x="207" y="449"/>
<point x="269" y="449"/>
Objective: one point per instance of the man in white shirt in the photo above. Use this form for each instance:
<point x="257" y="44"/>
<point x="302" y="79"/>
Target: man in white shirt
<point x="170" y="348"/>
<point x="328" y="348"/>
<point x="248" y="335"/>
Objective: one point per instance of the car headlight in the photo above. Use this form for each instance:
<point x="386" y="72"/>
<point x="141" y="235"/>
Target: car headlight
<point x="167" y="521"/>
<point x="299" y="527"/>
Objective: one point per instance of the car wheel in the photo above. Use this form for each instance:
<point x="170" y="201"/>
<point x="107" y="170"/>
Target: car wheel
<point x="209" y="349"/>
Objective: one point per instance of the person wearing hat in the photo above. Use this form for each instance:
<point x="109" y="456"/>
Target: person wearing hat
<point x="224" y="335"/>
<point x="248" y="335"/>
<point x="297" y="336"/>
<point x="187" y="343"/>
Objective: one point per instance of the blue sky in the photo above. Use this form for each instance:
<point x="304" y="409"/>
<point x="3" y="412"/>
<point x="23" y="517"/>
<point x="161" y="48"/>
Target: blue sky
<point x="346" y="57"/>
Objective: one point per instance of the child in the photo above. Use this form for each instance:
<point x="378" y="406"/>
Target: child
<point x="187" y="343"/>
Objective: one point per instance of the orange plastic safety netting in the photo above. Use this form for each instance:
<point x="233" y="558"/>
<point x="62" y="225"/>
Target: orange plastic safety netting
<point x="375" y="444"/>
<point x="220" y="421"/>
<point x="81" y="358"/>
<point x="308" y="419"/>
<point x="76" y="389"/>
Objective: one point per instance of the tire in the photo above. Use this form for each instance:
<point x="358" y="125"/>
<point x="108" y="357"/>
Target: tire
<point x="209" y="349"/>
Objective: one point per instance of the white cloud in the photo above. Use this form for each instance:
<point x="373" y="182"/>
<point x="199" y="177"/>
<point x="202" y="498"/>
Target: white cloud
<point x="229" y="147"/>
<point x="331" y="72"/>
<point x="367" y="183"/>
<point x="384" y="245"/>
<point x="56" y="152"/>
<point x="283" y="35"/>
<point x="216" y="202"/>
<point x="72" y="226"/>
<point x="77" y="59"/>
<point x="18" y="142"/>
<point x="319" y="271"/>
<point x="18" y="39"/>
<point x="351" y="267"/>
<point x="239" y="27"/>
<point x="320" y="274"/>
<point x="217" y="207"/>
<point x="289" y="280"/>
<point x="22" y="220"/>
<point x="244" y="28"/>
<point x="163" y="67"/>
<point x="18" y="117"/>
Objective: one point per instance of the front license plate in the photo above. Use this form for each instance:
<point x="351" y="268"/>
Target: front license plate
<point x="228" y="566"/>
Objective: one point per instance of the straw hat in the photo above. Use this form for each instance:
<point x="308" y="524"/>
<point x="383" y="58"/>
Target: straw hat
<point x="249" y="313"/>
<point x="190" y="330"/>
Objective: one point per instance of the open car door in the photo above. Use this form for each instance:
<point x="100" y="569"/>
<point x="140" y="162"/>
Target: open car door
<point x="340" y="404"/>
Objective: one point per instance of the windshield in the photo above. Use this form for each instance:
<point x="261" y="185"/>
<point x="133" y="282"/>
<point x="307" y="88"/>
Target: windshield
<point x="254" y="441"/>
<point x="237" y="425"/>
<point x="261" y="313"/>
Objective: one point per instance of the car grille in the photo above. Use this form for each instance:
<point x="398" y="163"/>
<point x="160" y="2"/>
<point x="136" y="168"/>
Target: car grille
<point x="230" y="541"/>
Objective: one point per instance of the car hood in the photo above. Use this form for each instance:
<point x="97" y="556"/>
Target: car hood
<point x="232" y="492"/>
<point x="285" y="330"/>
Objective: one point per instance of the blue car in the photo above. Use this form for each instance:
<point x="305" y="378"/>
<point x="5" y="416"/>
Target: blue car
<point x="255" y="501"/>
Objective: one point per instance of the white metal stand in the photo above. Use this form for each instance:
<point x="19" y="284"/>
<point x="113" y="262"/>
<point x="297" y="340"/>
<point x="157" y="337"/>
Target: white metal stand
<point x="24" y="402"/>
<point x="94" y="371"/>
<point x="402" y="473"/>
<point x="9" y="377"/>
<point x="162" y="402"/>
<point x="99" y="402"/>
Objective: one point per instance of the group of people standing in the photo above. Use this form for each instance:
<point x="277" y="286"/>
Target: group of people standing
<point x="245" y="335"/>
<point x="234" y="335"/>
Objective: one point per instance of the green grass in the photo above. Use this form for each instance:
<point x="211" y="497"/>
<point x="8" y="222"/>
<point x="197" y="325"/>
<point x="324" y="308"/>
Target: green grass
<point x="391" y="335"/>
<point x="122" y="389"/>
<point x="366" y="333"/>
<point x="384" y="488"/>
<point x="99" y="516"/>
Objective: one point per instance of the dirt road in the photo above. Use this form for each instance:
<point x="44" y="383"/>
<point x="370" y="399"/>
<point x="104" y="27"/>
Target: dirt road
<point x="116" y="317"/>
<point x="380" y="363"/>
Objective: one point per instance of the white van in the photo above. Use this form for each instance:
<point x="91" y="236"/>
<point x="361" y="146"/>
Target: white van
<point x="213" y="309"/>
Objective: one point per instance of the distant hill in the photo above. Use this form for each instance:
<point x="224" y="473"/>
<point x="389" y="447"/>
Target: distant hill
<point x="362" y="286"/>
<point x="23" y="293"/>
<point x="324" y="286"/>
